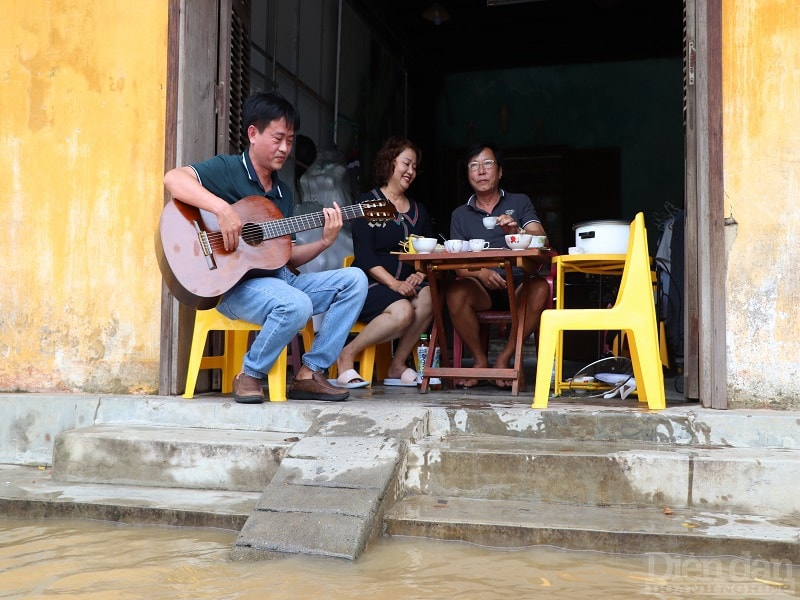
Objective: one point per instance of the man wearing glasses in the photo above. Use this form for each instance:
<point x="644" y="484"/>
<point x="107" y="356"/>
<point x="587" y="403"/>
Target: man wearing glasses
<point x="487" y="289"/>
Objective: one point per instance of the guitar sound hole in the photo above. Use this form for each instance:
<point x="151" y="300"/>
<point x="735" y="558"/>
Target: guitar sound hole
<point x="252" y="234"/>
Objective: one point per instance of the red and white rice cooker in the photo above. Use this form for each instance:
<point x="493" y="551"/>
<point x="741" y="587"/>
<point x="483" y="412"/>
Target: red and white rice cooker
<point x="602" y="237"/>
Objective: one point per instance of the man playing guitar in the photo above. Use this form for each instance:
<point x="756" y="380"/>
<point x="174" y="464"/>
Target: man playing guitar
<point x="278" y="299"/>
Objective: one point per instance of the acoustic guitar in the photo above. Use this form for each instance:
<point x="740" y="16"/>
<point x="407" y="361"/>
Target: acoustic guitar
<point x="192" y="257"/>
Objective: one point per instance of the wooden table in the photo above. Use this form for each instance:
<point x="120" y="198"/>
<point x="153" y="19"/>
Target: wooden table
<point x="438" y="262"/>
<point x="594" y="264"/>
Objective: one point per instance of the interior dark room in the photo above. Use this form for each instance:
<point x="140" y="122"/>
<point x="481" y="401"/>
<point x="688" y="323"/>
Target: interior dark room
<point x="583" y="97"/>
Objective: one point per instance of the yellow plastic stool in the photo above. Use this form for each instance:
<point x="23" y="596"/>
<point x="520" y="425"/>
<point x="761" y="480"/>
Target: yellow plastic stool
<point x="634" y="313"/>
<point x="235" y="347"/>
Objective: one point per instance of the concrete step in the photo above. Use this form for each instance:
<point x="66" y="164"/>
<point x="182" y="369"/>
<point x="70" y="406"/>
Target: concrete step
<point x="623" y="530"/>
<point x="607" y="420"/>
<point x="175" y="457"/>
<point x="32" y="493"/>
<point x="592" y="473"/>
<point x="569" y="467"/>
<point x="327" y="499"/>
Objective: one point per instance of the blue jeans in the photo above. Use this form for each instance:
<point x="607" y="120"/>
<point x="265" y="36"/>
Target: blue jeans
<point x="283" y="304"/>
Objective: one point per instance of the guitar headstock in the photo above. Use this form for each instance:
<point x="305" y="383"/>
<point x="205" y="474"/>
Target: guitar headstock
<point x="378" y="212"/>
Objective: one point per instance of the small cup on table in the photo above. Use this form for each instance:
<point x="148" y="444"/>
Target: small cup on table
<point x="454" y="245"/>
<point x="477" y="245"/>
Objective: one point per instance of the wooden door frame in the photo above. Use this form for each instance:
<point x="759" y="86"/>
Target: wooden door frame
<point x="170" y="308"/>
<point x="190" y="134"/>
<point x="705" y="367"/>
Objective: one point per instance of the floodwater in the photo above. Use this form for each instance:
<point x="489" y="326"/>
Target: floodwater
<point x="101" y="560"/>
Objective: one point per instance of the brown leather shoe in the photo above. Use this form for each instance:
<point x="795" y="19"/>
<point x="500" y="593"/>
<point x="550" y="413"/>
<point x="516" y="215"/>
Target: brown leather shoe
<point x="247" y="390"/>
<point x="316" y="388"/>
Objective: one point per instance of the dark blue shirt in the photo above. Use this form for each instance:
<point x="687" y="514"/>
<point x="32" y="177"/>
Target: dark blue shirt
<point x="233" y="177"/>
<point x="466" y="222"/>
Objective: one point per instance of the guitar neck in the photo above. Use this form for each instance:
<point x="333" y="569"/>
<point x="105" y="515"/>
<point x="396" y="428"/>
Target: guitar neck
<point x="287" y="226"/>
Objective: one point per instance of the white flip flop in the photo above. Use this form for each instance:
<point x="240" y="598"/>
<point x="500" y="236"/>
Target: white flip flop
<point x="350" y="379"/>
<point x="407" y="379"/>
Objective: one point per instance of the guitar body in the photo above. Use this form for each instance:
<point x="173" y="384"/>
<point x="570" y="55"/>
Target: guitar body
<point x="187" y="272"/>
<point x="192" y="257"/>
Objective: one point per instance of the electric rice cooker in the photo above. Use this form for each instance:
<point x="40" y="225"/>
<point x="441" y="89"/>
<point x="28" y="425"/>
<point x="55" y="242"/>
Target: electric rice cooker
<point x="602" y="237"/>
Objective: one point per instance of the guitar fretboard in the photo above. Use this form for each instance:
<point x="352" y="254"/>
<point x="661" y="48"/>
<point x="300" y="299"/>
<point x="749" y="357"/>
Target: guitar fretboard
<point x="279" y="227"/>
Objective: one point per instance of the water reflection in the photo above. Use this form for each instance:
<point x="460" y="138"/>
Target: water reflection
<point x="99" y="560"/>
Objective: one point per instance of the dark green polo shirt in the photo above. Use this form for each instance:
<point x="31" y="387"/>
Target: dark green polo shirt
<point x="232" y="177"/>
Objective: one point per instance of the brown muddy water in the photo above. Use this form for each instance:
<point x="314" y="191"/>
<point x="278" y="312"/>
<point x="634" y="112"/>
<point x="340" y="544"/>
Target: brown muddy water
<point x="43" y="559"/>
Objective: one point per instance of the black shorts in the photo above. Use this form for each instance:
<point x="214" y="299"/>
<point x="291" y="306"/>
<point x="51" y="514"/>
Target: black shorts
<point x="499" y="298"/>
<point x="379" y="297"/>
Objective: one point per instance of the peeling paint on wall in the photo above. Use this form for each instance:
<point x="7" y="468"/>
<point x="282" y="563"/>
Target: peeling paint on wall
<point x="761" y="95"/>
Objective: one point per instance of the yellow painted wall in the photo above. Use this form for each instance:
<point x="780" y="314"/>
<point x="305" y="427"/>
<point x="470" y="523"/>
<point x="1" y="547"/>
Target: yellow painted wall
<point x="82" y="146"/>
<point x="82" y="136"/>
<point x="761" y="121"/>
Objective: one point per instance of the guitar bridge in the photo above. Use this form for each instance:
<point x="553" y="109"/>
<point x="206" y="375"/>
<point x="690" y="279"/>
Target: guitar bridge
<point x="205" y="246"/>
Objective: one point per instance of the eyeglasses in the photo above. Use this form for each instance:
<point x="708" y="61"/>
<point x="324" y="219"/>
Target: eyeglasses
<point x="487" y="164"/>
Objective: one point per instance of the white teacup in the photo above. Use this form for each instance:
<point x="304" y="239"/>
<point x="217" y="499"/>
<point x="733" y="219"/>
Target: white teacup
<point x="489" y="222"/>
<point x="477" y="244"/>
<point x="454" y="245"/>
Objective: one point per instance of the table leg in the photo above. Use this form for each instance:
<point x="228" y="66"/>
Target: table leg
<point x="441" y="290"/>
<point x="519" y="365"/>
<point x="516" y="328"/>
<point x="437" y="331"/>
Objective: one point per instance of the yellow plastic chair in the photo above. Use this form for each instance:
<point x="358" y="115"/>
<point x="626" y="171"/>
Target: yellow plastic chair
<point x="235" y="347"/>
<point x="371" y="357"/>
<point x="619" y="346"/>
<point x="634" y="313"/>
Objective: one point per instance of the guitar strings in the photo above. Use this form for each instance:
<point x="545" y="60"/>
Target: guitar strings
<point x="255" y="233"/>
